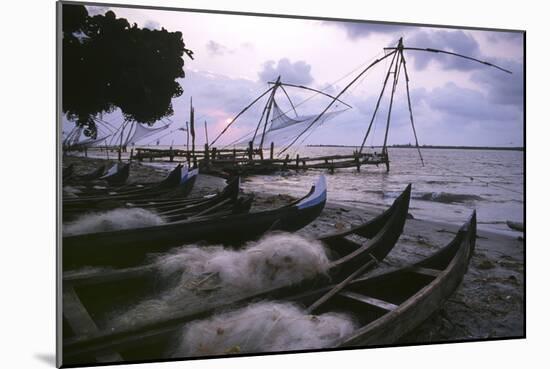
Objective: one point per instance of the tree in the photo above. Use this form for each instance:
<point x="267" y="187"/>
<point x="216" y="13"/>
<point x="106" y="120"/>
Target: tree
<point x="108" y="63"/>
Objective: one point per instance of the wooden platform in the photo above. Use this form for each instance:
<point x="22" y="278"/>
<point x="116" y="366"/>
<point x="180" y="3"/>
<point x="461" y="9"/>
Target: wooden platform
<point x="255" y="161"/>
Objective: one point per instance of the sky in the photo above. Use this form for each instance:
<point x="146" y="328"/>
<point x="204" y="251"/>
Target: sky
<point x="454" y="101"/>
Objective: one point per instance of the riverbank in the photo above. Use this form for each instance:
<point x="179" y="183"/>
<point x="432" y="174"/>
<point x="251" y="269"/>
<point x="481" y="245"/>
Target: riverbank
<point x="488" y="304"/>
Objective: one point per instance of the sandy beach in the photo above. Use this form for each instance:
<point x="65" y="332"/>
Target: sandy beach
<point x="488" y="304"/>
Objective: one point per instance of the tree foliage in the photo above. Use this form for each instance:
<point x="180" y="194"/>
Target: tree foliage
<point x="108" y="63"/>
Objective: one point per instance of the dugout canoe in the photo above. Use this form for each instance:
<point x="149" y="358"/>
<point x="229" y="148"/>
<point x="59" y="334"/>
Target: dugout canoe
<point x="113" y="199"/>
<point x="129" y="247"/>
<point x="226" y="201"/>
<point x="378" y="237"/>
<point x="117" y="174"/>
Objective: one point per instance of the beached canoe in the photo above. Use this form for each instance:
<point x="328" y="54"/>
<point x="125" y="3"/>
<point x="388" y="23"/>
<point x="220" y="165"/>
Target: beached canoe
<point x="226" y="201"/>
<point x="86" y="177"/>
<point x="392" y="304"/>
<point x="93" y="189"/>
<point x="68" y="172"/>
<point x="113" y="199"/>
<point x="117" y="174"/>
<point x="163" y="201"/>
<point x="385" y="306"/>
<point x="378" y="237"/>
<point x="129" y="247"/>
<point x="516" y="226"/>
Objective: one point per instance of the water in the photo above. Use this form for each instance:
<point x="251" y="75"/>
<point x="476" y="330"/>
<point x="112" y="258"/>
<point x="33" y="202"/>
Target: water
<point x="450" y="185"/>
<point x="447" y="188"/>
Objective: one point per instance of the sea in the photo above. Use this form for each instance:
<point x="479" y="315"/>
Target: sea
<point x="446" y="187"/>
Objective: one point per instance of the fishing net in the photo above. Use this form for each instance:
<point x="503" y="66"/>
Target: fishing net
<point x="282" y="129"/>
<point x="76" y="140"/>
<point x="89" y="142"/>
<point x="139" y="131"/>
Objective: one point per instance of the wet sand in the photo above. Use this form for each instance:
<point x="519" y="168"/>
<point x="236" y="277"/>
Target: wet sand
<point x="488" y="304"/>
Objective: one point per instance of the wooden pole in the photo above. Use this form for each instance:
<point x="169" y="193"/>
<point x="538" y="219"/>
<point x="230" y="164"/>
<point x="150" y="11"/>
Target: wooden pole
<point x="410" y="105"/>
<point x="336" y="98"/>
<point x="120" y="146"/>
<point x="206" y="132"/>
<point x="270" y="104"/>
<point x="378" y="103"/>
<point x="395" y="80"/>
<point x="187" y="147"/>
<point x="206" y="153"/>
<point x="261" y="118"/>
<point x="271" y="148"/>
<point x="240" y="113"/>
<point x="250" y="150"/>
<point x="192" y="128"/>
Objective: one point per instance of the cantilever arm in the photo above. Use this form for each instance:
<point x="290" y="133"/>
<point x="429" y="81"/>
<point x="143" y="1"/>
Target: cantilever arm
<point x="312" y="89"/>
<point x="238" y="115"/>
<point x="336" y="97"/>
<point x="450" y="53"/>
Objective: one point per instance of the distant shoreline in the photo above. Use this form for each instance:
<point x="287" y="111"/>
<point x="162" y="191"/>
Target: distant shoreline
<point x="501" y="148"/>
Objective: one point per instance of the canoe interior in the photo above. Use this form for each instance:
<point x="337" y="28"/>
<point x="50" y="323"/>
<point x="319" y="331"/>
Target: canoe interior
<point x="126" y="288"/>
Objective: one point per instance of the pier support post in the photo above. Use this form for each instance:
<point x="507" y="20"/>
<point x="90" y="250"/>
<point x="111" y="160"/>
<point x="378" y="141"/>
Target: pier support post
<point x="250" y="150"/>
<point x="271" y="148"/>
<point x="206" y="155"/>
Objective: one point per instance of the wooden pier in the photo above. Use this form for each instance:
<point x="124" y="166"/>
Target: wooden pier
<point x="256" y="161"/>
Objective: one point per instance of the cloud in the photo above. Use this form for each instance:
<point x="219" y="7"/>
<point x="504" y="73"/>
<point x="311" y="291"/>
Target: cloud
<point x="458" y="42"/>
<point x="298" y="72"/>
<point x="95" y="10"/>
<point x="247" y="45"/>
<point x="216" y="49"/>
<point x="357" y="30"/>
<point x="502" y="88"/>
<point x="151" y="24"/>
<point x="507" y="36"/>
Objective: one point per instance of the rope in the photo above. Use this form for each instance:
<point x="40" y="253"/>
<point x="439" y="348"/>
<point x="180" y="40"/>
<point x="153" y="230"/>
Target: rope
<point x="335" y="82"/>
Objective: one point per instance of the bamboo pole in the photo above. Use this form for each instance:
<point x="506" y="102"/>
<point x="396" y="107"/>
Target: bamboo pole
<point x="410" y="105"/>
<point x="206" y="132"/>
<point x="192" y="128"/>
<point x="378" y="103"/>
<point x="240" y="113"/>
<point x="270" y="104"/>
<point x="394" y="86"/>
<point x="336" y="98"/>
<point x="187" y="145"/>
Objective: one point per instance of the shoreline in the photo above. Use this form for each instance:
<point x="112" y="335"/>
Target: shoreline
<point x="488" y="304"/>
<point x="434" y="147"/>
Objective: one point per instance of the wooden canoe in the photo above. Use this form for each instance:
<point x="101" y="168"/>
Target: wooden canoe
<point x="392" y="304"/>
<point x="172" y="180"/>
<point x="129" y="247"/>
<point x="83" y="178"/>
<point x="226" y="201"/>
<point x="117" y="175"/>
<point x="113" y="199"/>
<point x="379" y="236"/>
